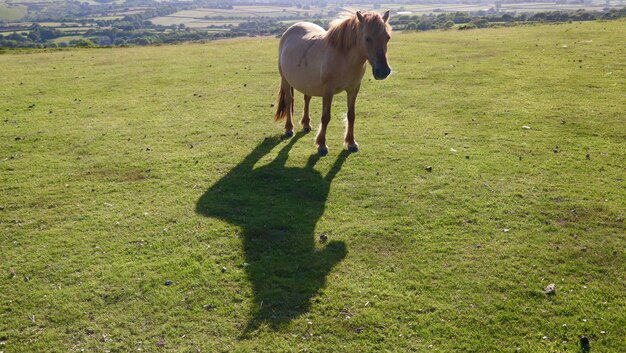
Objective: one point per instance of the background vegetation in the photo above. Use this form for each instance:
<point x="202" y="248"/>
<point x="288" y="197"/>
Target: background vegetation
<point x="144" y="22"/>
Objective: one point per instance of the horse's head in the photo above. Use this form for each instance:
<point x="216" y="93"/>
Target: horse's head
<point x="375" y="33"/>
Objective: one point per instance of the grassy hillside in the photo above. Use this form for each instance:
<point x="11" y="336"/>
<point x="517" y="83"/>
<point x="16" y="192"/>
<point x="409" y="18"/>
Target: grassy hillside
<point x="12" y="12"/>
<point x="121" y="169"/>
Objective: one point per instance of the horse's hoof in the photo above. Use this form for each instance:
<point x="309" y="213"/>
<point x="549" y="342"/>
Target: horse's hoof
<point x="354" y="148"/>
<point x="322" y="151"/>
<point x="306" y="129"/>
<point x="288" y="134"/>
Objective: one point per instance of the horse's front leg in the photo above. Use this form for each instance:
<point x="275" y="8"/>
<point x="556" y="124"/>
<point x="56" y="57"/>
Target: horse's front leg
<point x="349" y="139"/>
<point x="320" y="141"/>
<point x="306" y="120"/>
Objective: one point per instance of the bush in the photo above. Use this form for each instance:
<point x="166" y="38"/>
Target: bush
<point x="142" y="41"/>
<point x="467" y="26"/>
<point x="480" y="23"/>
<point x="448" y="25"/>
<point x="82" y="43"/>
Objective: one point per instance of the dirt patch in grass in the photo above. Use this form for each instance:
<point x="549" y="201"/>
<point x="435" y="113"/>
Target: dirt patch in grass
<point x="590" y="215"/>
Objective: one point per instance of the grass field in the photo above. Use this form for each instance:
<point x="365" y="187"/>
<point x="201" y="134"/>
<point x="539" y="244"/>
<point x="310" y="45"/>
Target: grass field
<point x="74" y="29"/>
<point x="201" y="18"/>
<point x="12" y="12"/>
<point x="124" y="168"/>
<point x="66" y="39"/>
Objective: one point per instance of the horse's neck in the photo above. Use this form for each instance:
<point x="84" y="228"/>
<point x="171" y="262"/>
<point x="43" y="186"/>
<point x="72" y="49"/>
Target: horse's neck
<point x="355" y="57"/>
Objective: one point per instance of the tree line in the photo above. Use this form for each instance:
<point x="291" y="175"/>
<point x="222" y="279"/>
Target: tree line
<point x="483" y="19"/>
<point x="138" y="30"/>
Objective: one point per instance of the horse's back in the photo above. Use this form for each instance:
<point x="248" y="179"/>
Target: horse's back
<point x="300" y="57"/>
<point x="303" y="31"/>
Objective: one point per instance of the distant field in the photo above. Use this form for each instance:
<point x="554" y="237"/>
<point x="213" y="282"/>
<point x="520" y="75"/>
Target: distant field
<point x="172" y="20"/>
<point x="60" y="24"/>
<point x="18" y="9"/>
<point x="419" y="9"/>
<point x="246" y="11"/>
<point x="130" y="11"/>
<point x="74" y="29"/>
<point x="66" y="38"/>
<point x="28" y="1"/>
<point x="18" y="31"/>
<point x="48" y="24"/>
<point x="199" y="18"/>
<point x="541" y="7"/>
<point x="12" y="12"/>
<point x="192" y="22"/>
<point x="218" y="26"/>
<point x="90" y="2"/>
<point x="62" y="29"/>
<point x="105" y="17"/>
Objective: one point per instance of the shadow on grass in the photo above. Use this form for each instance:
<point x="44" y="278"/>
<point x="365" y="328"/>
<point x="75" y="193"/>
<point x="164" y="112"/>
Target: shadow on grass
<point x="277" y="208"/>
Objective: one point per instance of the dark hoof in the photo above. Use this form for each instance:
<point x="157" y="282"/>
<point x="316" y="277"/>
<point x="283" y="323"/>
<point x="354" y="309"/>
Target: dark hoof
<point x="306" y="129"/>
<point x="322" y="151"/>
<point x="354" y="148"/>
<point x="288" y="134"/>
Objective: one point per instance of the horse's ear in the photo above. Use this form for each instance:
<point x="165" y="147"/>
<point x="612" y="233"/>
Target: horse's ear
<point x="386" y="17"/>
<point x="360" y="16"/>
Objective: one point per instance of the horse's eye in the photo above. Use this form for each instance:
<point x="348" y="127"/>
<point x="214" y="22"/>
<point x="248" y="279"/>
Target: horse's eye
<point x="368" y="39"/>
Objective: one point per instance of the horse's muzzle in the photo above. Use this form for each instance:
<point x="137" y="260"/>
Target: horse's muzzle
<point x="381" y="73"/>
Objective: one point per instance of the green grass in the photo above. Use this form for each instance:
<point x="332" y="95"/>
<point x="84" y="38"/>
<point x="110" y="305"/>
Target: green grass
<point x="81" y="29"/>
<point x="66" y="39"/>
<point x="122" y="168"/>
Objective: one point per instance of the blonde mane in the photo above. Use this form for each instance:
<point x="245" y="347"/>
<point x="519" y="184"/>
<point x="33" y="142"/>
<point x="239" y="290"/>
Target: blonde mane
<point x="343" y="33"/>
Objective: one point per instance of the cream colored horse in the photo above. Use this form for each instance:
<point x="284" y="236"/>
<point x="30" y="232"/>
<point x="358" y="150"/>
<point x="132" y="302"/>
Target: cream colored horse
<point x="323" y="63"/>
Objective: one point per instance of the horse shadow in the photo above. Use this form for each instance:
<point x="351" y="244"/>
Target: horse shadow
<point x="277" y="208"/>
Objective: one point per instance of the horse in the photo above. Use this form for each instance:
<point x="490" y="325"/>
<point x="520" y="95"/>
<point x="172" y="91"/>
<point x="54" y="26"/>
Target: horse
<point x="320" y="63"/>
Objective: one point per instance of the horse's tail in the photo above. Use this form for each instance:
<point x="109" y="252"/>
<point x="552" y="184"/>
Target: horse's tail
<point x="282" y="110"/>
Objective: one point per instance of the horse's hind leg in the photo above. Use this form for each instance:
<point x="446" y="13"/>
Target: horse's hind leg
<point x="288" y="100"/>
<point x="306" y="120"/>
